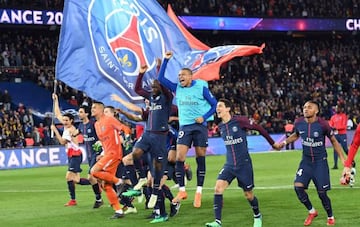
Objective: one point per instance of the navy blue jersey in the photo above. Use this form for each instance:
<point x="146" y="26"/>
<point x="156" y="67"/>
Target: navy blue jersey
<point x="234" y="136"/>
<point x="90" y="137"/>
<point x="159" y="109"/>
<point x="313" y="138"/>
<point x="159" y="113"/>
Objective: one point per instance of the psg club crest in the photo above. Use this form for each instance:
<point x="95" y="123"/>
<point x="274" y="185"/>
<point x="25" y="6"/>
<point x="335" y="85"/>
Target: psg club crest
<point x="129" y="39"/>
<point x="235" y="129"/>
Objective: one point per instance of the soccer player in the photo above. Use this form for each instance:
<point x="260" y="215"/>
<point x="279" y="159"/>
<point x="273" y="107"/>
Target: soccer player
<point x="339" y="124"/>
<point x="108" y="128"/>
<point x="87" y="129"/>
<point x="349" y="169"/>
<point x="70" y="140"/>
<point x="121" y="170"/>
<point x="196" y="105"/>
<point x="153" y="140"/>
<point x="314" y="165"/>
<point x="233" y="130"/>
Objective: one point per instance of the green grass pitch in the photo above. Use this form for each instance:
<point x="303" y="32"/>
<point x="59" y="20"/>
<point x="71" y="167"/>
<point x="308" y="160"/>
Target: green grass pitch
<point x="35" y="197"/>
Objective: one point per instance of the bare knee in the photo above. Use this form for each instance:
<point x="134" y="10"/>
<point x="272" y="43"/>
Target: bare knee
<point x="137" y="153"/>
<point x="249" y="195"/>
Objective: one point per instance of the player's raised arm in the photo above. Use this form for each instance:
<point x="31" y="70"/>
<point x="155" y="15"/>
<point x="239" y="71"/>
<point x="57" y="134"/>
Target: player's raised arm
<point x="138" y="85"/>
<point x="56" y="110"/>
<point x="128" y="105"/>
<point x="167" y="83"/>
<point x="131" y="116"/>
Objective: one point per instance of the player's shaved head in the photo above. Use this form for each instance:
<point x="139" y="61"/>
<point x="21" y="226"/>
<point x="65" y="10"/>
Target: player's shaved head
<point x="97" y="109"/>
<point x="187" y="70"/>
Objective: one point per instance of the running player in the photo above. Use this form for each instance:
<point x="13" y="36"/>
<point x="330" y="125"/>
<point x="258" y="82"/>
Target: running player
<point x="69" y="138"/>
<point x="87" y="129"/>
<point x="233" y="130"/>
<point x="108" y="129"/>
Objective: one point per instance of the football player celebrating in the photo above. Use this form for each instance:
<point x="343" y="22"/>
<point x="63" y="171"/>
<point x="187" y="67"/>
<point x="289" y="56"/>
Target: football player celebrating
<point x="238" y="162"/>
<point x="314" y="165"/>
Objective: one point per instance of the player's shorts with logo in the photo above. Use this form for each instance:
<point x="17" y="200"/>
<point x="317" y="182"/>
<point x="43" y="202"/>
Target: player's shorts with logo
<point x="195" y="134"/>
<point x="155" y="144"/>
<point x="74" y="164"/>
<point x="243" y="173"/>
<point x="317" y="171"/>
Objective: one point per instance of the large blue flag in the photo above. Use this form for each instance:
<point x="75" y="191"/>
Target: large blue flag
<point x="103" y="44"/>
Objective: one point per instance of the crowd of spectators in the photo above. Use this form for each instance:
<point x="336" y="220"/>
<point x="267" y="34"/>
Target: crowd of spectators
<point x="18" y="128"/>
<point x="266" y="8"/>
<point x="270" y="88"/>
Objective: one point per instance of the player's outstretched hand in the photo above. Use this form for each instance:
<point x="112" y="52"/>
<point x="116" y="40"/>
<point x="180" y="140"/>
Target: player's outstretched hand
<point x="115" y="97"/>
<point x="345" y="176"/>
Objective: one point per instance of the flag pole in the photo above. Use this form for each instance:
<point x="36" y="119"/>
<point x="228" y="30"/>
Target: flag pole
<point x="53" y="108"/>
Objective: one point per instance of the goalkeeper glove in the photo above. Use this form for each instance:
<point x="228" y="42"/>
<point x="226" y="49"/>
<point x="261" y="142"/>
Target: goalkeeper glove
<point x="97" y="147"/>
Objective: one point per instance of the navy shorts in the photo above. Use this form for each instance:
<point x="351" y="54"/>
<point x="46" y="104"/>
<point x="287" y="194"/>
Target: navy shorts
<point x="74" y="164"/>
<point x="244" y="175"/>
<point x="195" y="134"/>
<point x="317" y="171"/>
<point x="155" y="144"/>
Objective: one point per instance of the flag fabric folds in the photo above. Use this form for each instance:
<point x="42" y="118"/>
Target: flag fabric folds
<point x="103" y="44"/>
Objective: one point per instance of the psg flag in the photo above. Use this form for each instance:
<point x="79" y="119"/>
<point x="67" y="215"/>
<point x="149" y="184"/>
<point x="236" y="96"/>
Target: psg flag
<point x="103" y="44"/>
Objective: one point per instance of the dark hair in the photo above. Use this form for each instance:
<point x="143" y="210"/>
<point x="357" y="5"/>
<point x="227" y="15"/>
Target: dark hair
<point x="111" y="108"/>
<point x="187" y="69"/>
<point x="227" y="103"/>
<point x="85" y="108"/>
<point x="70" y="116"/>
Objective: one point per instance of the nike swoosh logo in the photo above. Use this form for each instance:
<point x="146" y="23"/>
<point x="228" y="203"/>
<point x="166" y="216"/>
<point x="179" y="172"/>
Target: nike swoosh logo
<point x="325" y="186"/>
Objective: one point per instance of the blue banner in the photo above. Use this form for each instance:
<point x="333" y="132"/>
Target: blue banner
<point x="33" y="17"/>
<point x="34" y="157"/>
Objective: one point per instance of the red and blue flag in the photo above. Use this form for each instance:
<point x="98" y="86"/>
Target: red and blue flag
<point x="103" y="44"/>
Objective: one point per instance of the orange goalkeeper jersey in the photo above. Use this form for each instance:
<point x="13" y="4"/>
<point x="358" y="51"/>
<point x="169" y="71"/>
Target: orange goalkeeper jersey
<point x="107" y="129"/>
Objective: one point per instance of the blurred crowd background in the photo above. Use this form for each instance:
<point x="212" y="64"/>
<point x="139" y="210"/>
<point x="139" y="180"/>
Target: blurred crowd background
<point x="270" y="88"/>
